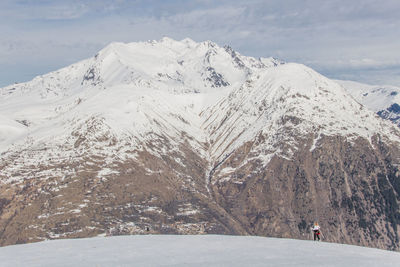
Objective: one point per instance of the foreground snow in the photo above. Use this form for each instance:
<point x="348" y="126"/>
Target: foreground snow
<point x="207" y="250"/>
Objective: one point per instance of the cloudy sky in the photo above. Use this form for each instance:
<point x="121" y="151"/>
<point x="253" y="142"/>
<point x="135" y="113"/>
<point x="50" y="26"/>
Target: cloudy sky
<point x="343" y="39"/>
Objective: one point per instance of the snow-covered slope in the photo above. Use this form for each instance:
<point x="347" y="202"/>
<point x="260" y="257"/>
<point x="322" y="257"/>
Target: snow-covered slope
<point x="384" y="100"/>
<point x="168" y="88"/>
<point x="193" y="251"/>
<point x="186" y="137"/>
<point x="287" y="92"/>
<point x="135" y="89"/>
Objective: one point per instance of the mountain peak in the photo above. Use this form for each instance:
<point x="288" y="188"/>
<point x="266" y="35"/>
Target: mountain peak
<point x="189" y="41"/>
<point x="205" y="64"/>
<point x="110" y="48"/>
<point x="183" y="137"/>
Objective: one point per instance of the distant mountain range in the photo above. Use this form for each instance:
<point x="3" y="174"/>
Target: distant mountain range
<point x="184" y="137"/>
<point x="384" y="100"/>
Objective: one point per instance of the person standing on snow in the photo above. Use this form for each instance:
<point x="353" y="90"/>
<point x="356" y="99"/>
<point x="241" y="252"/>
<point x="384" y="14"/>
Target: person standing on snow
<point x="317" y="231"/>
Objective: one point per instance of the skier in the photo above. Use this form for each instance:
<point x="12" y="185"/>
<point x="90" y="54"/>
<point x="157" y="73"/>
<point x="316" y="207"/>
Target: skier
<point x="317" y="231"/>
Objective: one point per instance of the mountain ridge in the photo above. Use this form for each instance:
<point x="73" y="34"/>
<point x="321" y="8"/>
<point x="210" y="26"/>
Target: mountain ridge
<point x="186" y="137"/>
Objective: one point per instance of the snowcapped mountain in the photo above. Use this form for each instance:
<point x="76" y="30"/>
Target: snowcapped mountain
<point x="183" y="137"/>
<point x="200" y="250"/>
<point x="384" y="100"/>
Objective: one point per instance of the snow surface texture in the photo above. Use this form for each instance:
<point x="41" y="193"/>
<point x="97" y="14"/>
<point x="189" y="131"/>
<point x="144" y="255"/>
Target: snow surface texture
<point x="212" y="250"/>
<point x="133" y="97"/>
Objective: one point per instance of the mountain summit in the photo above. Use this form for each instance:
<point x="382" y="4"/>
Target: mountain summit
<point x="184" y="137"/>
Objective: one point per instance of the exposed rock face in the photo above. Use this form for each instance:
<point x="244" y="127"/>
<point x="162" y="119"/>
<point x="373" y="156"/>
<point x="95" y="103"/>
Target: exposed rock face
<point x="351" y="188"/>
<point x="205" y="140"/>
<point x="391" y="113"/>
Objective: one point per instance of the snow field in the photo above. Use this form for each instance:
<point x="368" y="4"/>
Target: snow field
<point x="201" y="250"/>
